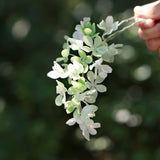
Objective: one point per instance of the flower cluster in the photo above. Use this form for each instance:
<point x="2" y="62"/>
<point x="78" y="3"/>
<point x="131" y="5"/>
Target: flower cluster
<point x="82" y="63"/>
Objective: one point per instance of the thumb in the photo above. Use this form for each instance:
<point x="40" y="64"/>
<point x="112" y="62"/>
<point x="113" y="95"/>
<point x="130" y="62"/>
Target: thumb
<point x="148" y="11"/>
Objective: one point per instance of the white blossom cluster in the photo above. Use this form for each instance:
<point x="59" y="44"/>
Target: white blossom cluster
<point x="82" y="63"/>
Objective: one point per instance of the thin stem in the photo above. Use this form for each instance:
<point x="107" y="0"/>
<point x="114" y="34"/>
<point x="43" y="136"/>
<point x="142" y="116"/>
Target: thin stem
<point x="112" y="36"/>
<point x="72" y="55"/>
<point x="64" y="97"/>
<point x="85" y="103"/>
<point x="95" y="73"/>
<point x="122" y="22"/>
<point x="126" y="20"/>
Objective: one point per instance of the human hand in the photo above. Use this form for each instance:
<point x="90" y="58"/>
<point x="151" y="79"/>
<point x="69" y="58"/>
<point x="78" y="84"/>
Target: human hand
<point x="149" y="27"/>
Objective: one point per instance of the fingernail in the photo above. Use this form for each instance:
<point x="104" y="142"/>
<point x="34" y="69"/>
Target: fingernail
<point x="149" y="22"/>
<point x="140" y="19"/>
<point x="137" y="9"/>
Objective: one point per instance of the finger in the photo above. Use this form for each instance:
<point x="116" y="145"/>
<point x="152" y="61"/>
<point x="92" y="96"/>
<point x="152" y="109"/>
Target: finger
<point x="153" y="44"/>
<point x="145" y="23"/>
<point x="149" y="11"/>
<point x="150" y="33"/>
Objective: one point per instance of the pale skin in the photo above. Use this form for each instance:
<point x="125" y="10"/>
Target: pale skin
<point x="149" y="27"/>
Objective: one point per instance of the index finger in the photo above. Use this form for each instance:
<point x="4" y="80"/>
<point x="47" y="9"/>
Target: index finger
<point x="148" y="11"/>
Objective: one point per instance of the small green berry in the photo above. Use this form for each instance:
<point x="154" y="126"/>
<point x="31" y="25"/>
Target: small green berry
<point x="87" y="31"/>
<point x="65" y="52"/>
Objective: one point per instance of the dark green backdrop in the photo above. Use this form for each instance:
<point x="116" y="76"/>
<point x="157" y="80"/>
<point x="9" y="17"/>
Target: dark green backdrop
<point x="32" y="127"/>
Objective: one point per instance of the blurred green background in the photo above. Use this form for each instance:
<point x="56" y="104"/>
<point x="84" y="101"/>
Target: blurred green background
<point x="32" y="127"/>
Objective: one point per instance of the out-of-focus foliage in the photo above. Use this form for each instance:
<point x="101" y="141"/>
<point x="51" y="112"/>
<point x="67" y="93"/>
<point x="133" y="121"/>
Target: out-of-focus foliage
<point x="32" y="127"/>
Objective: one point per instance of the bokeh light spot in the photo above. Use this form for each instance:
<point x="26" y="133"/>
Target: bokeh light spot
<point x="142" y="73"/>
<point x="20" y="29"/>
<point x="99" y="144"/>
<point x="134" y="120"/>
<point x="127" y="54"/>
<point x="121" y="116"/>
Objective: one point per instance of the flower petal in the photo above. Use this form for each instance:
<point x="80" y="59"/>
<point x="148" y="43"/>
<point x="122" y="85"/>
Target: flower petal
<point x="91" y="76"/>
<point x="101" y="88"/>
<point x="59" y="100"/>
<point x="71" y="122"/>
<point x="86" y="134"/>
<point x="88" y="41"/>
<point x="75" y="44"/>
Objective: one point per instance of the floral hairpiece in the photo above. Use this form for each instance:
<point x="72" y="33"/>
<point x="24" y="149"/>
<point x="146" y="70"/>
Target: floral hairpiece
<point x="82" y="63"/>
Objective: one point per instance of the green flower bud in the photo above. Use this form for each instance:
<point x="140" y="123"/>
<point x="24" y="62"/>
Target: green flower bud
<point x="65" y="52"/>
<point x="87" y="31"/>
<point x="82" y="54"/>
<point x="70" y="106"/>
<point x="89" y="59"/>
<point x="75" y="58"/>
<point x="82" y="80"/>
<point x="77" y="85"/>
<point x="59" y="59"/>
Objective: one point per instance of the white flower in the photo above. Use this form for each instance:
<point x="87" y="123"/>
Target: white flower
<point x="108" y="25"/>
<point x="75" y="69"/>
<point x="58" y="72"/>
<point x="85" y="19"/>
<point x="88" y="96"/>
<point x="75" y="44"/>
<point x="94" y="81"/>
<point x="86" y="124"/>
<point x="97" y="46"/>
<point x="78" y="34"/>
<point x="103" y="70"/>
<point x="61" y="90"/>
<point x="111" y="52"/>
<point x="88" y="127"/>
